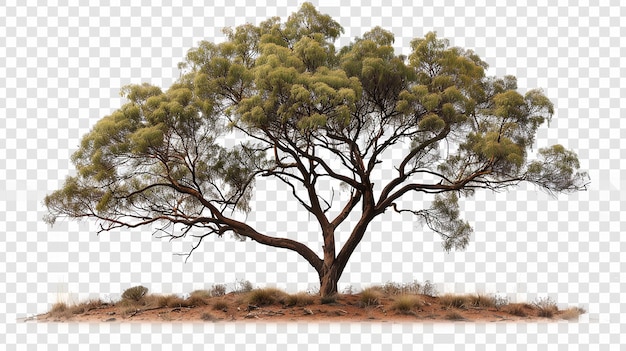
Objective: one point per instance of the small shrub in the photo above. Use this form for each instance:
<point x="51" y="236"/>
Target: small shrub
<point x="392" y="289"/>
<point x="86" y="306"/>
<point x="162" y="300"/>
<point x="197" y="300"/>
<point x="413" y="288"/>
<point x="219" y="290"/>
<point x="329" y="299"/>
<point x="482" y="301"/>
<point x="455" y="300"/>
<point x="267" y="296"/>
<point x="78" y="309"/>
<point x="299" y="299"/>
<point x="406" y="303"/>
<point x="135" y="293"/>
<point x="546" y="307"/>
<point x="369" y="297"/>
<point x="572" y="313"/>
<point x="429" y="289"/>
<point x="94" y="303"/>
<point x="124" y="303"/>
<point x="500" y="301"/>
<point x="243" y="286"/>
<point x="58" y="307"/>
<point x="220" y="305"/>
<point x="516" y="309"/>
<point x="171" y="300"/>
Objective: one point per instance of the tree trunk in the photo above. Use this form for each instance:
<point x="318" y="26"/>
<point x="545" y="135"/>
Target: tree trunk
<point x="333" y="266"/>
<point x="328" y="281"/>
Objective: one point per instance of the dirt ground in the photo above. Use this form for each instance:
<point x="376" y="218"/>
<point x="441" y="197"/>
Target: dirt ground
<point x="346" y="308"/>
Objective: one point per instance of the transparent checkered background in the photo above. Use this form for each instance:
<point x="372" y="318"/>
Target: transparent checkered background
<point x="62" y="65"/>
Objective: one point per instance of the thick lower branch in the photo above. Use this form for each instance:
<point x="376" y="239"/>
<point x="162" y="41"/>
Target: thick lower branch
<point x="246" y="231"/>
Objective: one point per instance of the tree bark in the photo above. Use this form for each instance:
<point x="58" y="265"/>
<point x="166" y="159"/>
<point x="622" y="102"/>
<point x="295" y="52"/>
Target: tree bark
<point x="334" y="264"/>
<point x="328" y="281"/>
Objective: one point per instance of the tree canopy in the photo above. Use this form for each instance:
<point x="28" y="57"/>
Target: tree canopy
<point x="312" y="112"/>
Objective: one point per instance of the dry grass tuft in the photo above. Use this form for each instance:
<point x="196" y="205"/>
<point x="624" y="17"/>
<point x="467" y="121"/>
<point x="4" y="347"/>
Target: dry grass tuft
<point x="516" y="309"/>
<point x="406" y="303"/>
<point x="205" y="294"/>
<point x="125" y="303"/>
<point x="60" y="310"/>
<point x="220" y="305"/>
<point x="171" y="300"/>
<point x="198" y="300"/>
<point x="370" y="297"/>
<point x="546" y="307"/>
<point x="299" y="299"/>
<point x="266" y="296"/>
<point x="329" y="299"/>
<point x="572" y="313"/>
<point x="391" y="289"/>
<point x="482" y="301"/>
<point x="86" y="306"/>
<point x="455" y="300"/>
<point x="395" y="289"/>
<point x="407" y="299"/>
<point x="465" y="301"/>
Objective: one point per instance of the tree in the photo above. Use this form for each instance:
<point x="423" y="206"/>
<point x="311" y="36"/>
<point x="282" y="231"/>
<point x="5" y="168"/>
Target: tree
<point x="312" y="113"/>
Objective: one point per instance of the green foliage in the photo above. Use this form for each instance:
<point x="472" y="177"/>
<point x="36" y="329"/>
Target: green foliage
<point x="443" y="218"/>
<point x="308" y="21"/>
<point x="556" y="171"/>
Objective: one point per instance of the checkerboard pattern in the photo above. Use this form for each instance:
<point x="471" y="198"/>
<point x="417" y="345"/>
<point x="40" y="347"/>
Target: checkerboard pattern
<point x="62" y="65"/>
